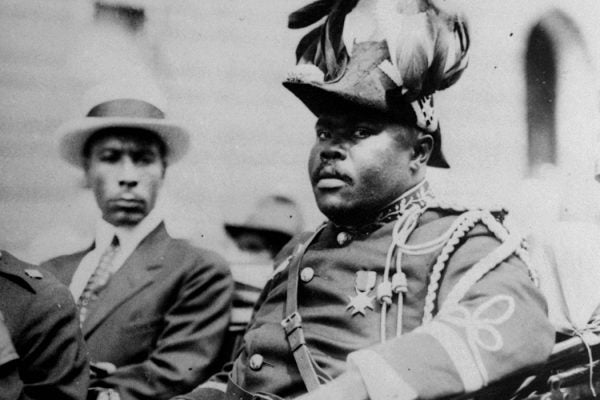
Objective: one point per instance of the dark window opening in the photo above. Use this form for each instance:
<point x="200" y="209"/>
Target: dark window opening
<point x="131" y="18"/>
<point x="541" y="68"/>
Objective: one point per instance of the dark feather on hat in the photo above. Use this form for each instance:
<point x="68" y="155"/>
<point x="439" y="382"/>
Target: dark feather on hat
<point x="323" y="46"/>
<point x="310" y="14"/>
<point x="428" y="43"/>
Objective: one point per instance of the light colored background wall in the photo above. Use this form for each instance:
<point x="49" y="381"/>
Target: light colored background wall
<point x="221" y="64"/>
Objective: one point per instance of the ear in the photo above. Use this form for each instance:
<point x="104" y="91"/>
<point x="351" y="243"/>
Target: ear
<point x="86" y="181"/>
<point x="422" y="151"/>
<point x="164" y="167"/>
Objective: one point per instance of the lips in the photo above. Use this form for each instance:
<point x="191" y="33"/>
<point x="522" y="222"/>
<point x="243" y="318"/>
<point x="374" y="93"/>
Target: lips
<point x="330" y="183"/>
<point x="329" y="178"/>
<point x="128" y="203"/>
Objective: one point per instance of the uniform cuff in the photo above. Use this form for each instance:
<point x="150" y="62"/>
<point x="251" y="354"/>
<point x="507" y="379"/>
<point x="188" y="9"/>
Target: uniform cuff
<point x="380" y="379"/>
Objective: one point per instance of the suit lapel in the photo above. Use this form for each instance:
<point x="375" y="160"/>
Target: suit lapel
<point x="64" y="267"/>
<point x="137" y="272"/>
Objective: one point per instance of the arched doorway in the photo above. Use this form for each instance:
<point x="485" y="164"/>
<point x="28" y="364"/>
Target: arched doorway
<point x="562" y="111"/>
<point x="560" y="89"/>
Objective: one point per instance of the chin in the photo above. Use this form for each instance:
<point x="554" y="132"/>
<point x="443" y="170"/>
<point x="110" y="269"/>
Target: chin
<point x="127" y="220"/>
<point x="329" y="204"/>
<point x="337" y="213"/>
<point x="345" y="214"/>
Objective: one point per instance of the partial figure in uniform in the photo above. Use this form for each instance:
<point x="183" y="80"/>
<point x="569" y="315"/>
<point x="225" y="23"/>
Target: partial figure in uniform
<point x="10" y="381"/>
<point x="42" y="353"/>
<point x="399" y="295"/>
<point x="153" y="309"/>
<point x="274" y="221"/>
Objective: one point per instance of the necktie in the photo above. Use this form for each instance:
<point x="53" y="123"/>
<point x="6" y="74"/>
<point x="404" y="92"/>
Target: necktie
<point x="98" y="280"/>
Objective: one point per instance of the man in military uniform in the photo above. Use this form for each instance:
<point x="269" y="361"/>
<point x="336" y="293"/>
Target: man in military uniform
<point x="153" y="309"/>
<point x="42" y="355"/>
<point x="10" y="382"/>
<point x="398" y="295"/>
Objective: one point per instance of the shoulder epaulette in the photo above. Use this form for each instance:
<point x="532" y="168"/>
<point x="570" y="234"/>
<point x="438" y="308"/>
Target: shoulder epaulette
<point x="33" y="273"/>
<point x="19" y="271"/>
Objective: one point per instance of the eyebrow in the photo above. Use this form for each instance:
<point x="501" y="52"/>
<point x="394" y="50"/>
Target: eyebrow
<point x="326" y="122"/>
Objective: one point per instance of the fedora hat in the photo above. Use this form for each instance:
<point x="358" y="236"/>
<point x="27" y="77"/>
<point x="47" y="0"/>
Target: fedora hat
<point x="412" y="49"/>
<point x="125" y="104"/>
<point x="276" y="216"/>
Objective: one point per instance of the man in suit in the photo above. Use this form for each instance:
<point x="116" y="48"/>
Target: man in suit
<point x="42" y="354"/>
<point x="153" y="309"/>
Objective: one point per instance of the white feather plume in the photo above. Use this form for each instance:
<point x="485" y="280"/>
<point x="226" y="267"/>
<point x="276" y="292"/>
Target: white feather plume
<point x="427" y="39"/>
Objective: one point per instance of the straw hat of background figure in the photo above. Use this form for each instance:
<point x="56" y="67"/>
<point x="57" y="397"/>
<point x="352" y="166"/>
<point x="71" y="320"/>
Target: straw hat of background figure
<point x="122" y="103"/>
<point x="270" y="226"/>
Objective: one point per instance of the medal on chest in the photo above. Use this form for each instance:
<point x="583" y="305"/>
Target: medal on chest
<point x="363" y="284"/>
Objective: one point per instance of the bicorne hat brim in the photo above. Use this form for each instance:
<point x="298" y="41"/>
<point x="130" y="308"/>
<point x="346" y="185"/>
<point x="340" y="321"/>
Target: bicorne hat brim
<point x="326" y="98"/>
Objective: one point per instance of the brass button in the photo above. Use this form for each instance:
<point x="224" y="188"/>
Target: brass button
<point x="256" y="362"/>
<point x="307" y="274"/>
<point x="343" y="238"/>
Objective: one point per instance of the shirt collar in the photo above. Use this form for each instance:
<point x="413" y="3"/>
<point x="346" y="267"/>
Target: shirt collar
<point x="129" y="237"/>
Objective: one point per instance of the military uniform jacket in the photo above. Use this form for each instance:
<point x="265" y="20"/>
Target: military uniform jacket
<point x="160" y="320"/>
<point x="11" y="385"/>
<point x="470" y="315"/>
<point x="39" y="335"/>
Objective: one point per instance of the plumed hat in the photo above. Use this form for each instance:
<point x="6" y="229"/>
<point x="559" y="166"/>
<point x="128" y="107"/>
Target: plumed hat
<point x="387" y="55"/>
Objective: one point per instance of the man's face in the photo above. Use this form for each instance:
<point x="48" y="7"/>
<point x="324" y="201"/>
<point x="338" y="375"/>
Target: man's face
<point x="358" y="164"/>
<point x="125" y="171"/>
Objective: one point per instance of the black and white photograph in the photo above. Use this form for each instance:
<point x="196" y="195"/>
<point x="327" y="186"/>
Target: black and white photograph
<point x="300" y="199"/>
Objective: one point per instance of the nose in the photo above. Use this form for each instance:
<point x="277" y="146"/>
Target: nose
<point x="129" y="174"/>
<point x="332" y="151"/>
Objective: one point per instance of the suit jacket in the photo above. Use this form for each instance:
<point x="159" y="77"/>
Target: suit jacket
<point x="38" y="319"/>
<point x="161" y="318"/>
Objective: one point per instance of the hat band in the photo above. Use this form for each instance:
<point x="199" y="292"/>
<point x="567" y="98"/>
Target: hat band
<point x="132" y="108"/>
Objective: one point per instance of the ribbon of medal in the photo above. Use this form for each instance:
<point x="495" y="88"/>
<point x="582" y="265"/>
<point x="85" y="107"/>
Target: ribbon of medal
<point x="363" y="284"/>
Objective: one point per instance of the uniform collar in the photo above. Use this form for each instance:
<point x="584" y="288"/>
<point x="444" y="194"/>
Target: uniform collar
<point x="419" y="195"/>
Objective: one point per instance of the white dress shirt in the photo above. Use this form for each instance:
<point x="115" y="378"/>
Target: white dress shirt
<point x="129" y="239"/>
